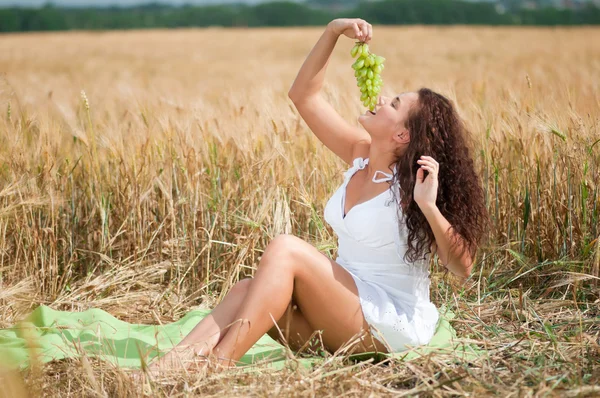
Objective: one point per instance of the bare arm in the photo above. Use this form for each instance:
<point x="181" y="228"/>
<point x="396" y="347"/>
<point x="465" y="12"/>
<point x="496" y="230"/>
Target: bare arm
<point x="344" y="139"/>
<point x="312" y="73"/>
<point x="448" y="245"/>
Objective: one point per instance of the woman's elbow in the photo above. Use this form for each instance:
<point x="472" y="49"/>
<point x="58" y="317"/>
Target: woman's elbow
<point x="467" y="267"/>
<point x="467" y="271"/>
<point x="463" y="270"/>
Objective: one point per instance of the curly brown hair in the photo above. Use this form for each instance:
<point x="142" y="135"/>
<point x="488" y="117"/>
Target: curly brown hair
<point x="436" y="130"/>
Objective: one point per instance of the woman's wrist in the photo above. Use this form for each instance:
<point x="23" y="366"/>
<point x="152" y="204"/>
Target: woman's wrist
<point x="428" y="209"/>
<point x="329" y="29"/>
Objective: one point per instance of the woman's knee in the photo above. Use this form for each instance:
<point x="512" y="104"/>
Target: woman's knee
<point x="282" y="251"/>
<point x="241" y="287"/>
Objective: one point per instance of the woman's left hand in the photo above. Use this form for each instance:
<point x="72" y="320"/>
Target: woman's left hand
<point x="425" y="192"/>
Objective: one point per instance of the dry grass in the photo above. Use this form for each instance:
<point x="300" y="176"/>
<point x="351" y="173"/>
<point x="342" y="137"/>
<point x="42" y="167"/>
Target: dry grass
<point x="160" y="185"/>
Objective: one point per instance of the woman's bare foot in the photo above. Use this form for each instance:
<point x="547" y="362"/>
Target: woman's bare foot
<point x="179" y="358"/>
<point x="216" y="363"/>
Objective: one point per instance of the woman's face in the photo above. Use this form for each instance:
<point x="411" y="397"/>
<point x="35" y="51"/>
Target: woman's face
<point x="390" y="116"/>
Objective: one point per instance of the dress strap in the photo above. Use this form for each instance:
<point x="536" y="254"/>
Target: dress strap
<point x="359" y="163"/>
<point x="387" y="177"/>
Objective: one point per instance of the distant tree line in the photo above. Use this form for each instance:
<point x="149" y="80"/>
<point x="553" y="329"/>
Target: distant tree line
<point x="386" y="12"/>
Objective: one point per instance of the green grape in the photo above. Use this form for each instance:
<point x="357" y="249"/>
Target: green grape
<point x="365" y="50"/>
<point x="367" y="70"/>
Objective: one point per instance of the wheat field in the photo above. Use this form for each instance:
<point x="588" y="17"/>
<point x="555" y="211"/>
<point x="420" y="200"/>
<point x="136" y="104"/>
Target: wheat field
<point x="144" y="172"/>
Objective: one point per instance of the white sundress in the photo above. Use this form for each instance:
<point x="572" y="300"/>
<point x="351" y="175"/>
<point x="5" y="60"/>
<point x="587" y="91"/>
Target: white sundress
<point x="394" y="294"/>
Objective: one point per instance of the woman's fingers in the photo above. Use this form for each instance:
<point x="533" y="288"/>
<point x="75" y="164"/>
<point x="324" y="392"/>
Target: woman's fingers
<point x="427" y="163"/>
<point x="370" y="31"/>
<point x="430" y="158"/>
<point x="356" y="29"/>
<point x="424" y="162"/>
<point x="365" y="30"/>
<point x="420" y="175"/>
<point x="430" y="169"/>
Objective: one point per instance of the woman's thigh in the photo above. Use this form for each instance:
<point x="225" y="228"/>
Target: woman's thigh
<point x="325" y="294"/>
<point x="293" y="329"/>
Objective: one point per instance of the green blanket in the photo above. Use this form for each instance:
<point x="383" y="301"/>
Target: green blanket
<point x="47" y="335"/>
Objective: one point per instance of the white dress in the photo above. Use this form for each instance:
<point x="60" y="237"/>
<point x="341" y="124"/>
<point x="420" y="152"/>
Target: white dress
<point x="394" y="294"/>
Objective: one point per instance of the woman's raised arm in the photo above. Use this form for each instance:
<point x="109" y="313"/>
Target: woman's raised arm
<point x="312" y="73"/>
<point x="330" y="128"/>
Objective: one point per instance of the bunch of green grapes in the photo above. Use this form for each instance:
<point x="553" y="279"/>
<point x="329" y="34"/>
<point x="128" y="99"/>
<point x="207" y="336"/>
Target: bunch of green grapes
<point x="367" y="69"/>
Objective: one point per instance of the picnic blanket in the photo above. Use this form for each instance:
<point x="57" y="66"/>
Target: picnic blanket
<point x="46" y="335"/>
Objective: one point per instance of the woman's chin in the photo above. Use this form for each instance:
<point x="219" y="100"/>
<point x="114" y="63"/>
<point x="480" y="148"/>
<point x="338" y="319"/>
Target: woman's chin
<point x="364" y="119"/>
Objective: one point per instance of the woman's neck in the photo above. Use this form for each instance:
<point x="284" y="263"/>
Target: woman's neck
<point x="380" y="160"/>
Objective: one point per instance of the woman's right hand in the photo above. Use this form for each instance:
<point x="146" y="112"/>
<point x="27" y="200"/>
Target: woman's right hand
<point x="354" y="28"/>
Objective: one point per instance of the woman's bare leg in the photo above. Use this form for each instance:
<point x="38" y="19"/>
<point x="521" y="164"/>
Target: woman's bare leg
<point x="209" y="331"/>
<point x="325" y="292"/>
<point x="294" y="330"/>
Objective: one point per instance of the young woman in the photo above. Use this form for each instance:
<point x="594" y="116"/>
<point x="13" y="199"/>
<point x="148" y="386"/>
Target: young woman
<point x="376" y="292"/>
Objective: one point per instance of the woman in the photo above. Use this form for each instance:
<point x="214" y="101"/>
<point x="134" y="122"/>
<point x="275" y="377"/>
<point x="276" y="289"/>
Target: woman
<point x="377" y="290"/>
